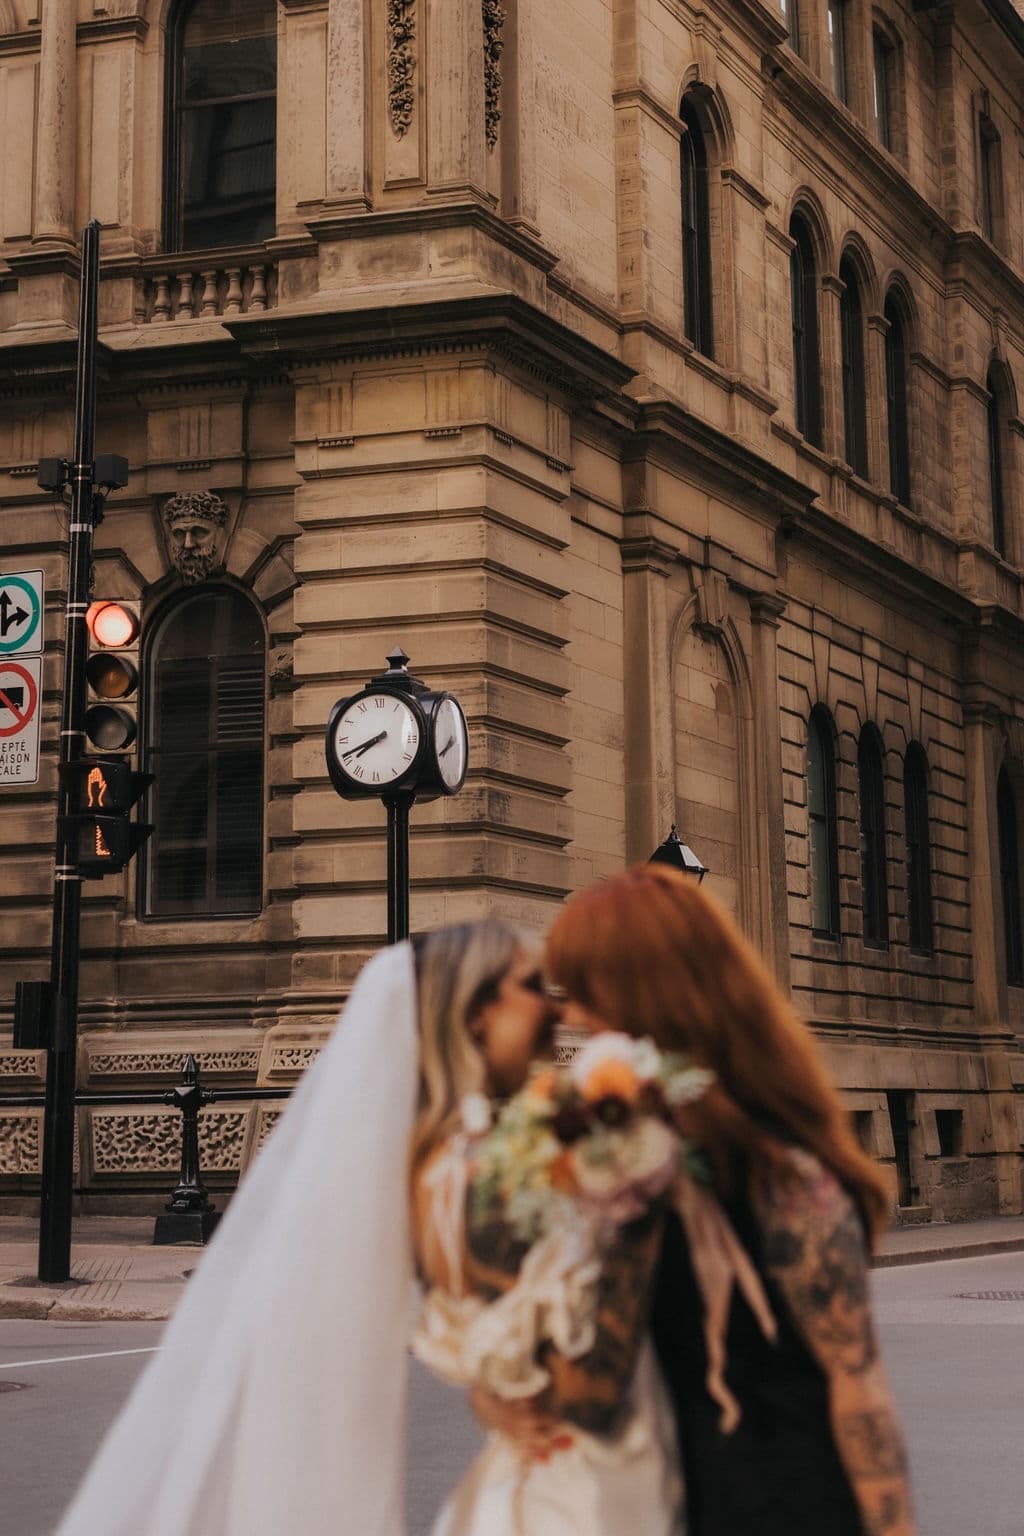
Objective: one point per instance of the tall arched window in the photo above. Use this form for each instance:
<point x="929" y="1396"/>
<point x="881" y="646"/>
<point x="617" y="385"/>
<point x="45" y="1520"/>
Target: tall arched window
<point x="855" y="420"/>
<point x="221" y="135"/>
<point x="873" y="874"/>
<point x="821" y="824"/>
<point x="206" y="672"/>
<point x="696" y="212"/>
<point x="990" y="176"/>
<point x="803" y="280"/>
<point x="836" y="17"/>
<point x="1009" y="878"/>
<point x="996" y="474"/>
<point x="919" y="861"/>
<point x="896" y="401"/>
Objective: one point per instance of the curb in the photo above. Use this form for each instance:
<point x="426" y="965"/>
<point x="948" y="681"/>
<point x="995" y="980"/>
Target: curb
<point x="932" y="1255"/>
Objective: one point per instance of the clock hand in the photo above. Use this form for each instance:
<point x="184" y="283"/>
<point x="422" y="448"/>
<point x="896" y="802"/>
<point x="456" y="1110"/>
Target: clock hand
<point x="447" y="746"/>
<point x="364" y="746"/>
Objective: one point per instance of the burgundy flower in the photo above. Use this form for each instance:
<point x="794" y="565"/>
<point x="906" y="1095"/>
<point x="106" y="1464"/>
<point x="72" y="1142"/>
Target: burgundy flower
<point x="569" y="1124"/>
<point x="612" y="1110"/>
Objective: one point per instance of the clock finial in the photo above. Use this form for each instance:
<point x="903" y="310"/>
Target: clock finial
<point x="397" y="660"/>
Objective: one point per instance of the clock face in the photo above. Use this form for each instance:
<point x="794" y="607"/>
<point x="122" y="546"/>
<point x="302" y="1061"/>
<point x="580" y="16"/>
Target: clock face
<point x="376" y="740"/>
<point x="451" y="746"/>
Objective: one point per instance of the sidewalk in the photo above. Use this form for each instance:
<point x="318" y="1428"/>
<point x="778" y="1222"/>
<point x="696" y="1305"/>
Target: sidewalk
<point x="118" y="1275"/>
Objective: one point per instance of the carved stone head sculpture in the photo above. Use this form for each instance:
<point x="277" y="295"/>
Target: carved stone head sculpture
<point x="194" y="526"/>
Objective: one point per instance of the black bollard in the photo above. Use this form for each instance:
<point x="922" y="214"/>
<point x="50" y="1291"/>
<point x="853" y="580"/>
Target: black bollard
<point x="189" y="1216"/>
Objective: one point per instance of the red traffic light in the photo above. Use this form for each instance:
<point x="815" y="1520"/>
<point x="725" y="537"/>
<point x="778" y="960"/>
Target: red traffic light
<point x="112" y="625"/>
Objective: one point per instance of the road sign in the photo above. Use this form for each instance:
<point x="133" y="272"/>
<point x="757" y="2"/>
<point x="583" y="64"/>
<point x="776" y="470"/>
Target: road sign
<point x="19" y="721"/>
<point x="21" y="613"/>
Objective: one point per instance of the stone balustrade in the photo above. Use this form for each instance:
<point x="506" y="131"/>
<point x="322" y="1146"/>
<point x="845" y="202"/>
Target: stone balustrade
<point x="210" y="292"/>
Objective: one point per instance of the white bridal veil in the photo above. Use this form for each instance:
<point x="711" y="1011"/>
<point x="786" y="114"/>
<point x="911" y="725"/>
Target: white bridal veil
<point x="276" y="1406"/>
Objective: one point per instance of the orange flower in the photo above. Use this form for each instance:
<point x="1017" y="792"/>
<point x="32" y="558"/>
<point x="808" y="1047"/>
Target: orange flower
<point x="611" y="1079"/>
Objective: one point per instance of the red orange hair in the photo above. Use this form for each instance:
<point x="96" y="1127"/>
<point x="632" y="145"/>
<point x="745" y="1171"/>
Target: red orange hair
<point x="651" y="954"/>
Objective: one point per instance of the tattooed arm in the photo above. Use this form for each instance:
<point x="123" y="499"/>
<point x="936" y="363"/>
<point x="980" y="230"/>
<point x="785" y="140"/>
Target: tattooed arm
<point x="589" y="1390"/>
<point x="816" y="1253"/>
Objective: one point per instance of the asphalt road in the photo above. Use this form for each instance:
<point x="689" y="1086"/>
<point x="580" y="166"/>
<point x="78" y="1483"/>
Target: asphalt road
<point x="957" y="1363"/>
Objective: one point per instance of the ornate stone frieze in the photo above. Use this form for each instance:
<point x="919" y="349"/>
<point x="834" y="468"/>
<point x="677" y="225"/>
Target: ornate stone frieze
<point x="21" y="1142"/>
<point x="150" y="1142"/>
<point x="169" y="1063"/>
<point x="194" y="527"/>
<point x="22" y="1064"/>
<point x="494" y="43"/>
<point x="401" y="64"/>
<point x="289" y="1059"/>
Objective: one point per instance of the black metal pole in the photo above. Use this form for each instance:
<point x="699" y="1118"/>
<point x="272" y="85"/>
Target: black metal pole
<point x="59" y="1114"/>
<point x="398" y="866"/>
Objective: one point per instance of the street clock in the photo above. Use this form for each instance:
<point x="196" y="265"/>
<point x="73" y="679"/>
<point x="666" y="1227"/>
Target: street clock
<point x="397" y="737"/>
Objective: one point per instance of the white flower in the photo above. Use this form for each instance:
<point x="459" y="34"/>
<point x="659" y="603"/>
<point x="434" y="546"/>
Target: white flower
<point x="688" y="1085"/>
<point x="476" y="1113"/>
<point x="609" y="1045"/>
<point x="646" y="1059"/>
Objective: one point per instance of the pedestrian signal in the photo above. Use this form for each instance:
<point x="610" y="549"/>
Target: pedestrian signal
<point x="101" y="794"/>
<point x="112" y="674"/>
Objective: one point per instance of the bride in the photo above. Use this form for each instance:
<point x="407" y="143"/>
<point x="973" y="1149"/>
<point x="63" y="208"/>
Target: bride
<point x="277" y="1401"/>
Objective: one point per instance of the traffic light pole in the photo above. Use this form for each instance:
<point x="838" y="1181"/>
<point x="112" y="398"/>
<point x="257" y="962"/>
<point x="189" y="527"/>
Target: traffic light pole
<point x="59" y="1115"/>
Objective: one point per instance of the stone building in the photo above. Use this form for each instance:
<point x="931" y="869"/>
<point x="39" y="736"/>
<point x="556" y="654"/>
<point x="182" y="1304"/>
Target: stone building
<point x="651" y="372"/>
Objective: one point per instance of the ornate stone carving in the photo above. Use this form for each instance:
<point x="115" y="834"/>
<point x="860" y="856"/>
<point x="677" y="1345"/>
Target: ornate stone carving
<point x="401" y="63"/>
<point x="21" y="1064"/>
<point x="169" y="1063"/>
<point x="268" y="1118"/>
<point x="292" y="1058"/>
<point x="150" y="1142"/>
<point x="194" y="528"/>
<point x="21" y="1142"/>
<point x="494" y="43"/>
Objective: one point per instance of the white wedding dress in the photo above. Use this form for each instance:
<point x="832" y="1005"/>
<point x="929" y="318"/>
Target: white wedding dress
<point x="614" y="1486"/>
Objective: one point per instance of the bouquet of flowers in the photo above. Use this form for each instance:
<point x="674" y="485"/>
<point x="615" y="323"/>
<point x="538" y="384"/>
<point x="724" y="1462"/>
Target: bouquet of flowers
<point x="546" y="1185"/>
<point x="596" y="1137"/>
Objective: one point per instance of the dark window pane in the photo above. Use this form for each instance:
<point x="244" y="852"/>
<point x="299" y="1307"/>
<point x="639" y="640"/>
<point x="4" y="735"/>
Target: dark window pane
<point x="918" y="838"/>
<point x="1009" y="879"/>
<point x="854" y="388"/>
<point x="874" y="886"/>
<point x="896" y="404"/>
<point x="837" y="46"/>
<point x="207" y="753"/>
<point x="821" y="812"/>
<point x="882" y="86"/>
<point x="222" y="152"/>
<point x="995" y="465"/>
<point x="806" y="361"/>
<point x="696" y="233"/>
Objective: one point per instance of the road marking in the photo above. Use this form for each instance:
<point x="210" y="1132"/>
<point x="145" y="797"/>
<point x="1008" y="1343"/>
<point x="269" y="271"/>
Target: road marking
<point x="107" y="1354"/>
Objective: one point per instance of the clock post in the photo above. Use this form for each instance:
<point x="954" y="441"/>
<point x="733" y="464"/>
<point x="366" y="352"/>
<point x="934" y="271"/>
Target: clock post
<point x="398" y="741"/>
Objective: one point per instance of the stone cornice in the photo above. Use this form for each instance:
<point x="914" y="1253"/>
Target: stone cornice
<point x="20" y="42"/>
<point x="499" y="321"/>
<point x="713" y="454"/>
<point x="108" y="29"/>
<point x="760" y="24"/>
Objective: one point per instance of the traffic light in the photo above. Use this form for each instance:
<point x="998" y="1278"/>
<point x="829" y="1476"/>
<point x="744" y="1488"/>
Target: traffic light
<point x="112" y="673"/>
<point x="101" y="793"/>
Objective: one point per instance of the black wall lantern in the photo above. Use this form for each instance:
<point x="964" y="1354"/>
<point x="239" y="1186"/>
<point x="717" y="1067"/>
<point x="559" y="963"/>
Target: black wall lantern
<point x="674" y="852"/>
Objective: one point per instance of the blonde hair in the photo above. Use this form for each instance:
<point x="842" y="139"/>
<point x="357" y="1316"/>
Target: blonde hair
<point x="458" y="971"/>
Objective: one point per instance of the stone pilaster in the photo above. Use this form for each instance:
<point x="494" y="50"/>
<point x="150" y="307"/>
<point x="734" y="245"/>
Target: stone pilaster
<point x="649" y="753"/>
<point x="980" y="732"/>
<point x="456" y="117"/>
<point x="766" y="609"/>
<point x="56" y="143"/>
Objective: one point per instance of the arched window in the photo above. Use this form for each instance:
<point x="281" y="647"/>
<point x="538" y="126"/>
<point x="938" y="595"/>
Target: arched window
<point x="696" y="212"/>
<point x="997" y="484"/>
<point x="1009" y="878"/>
<point x="874" y="885"/>
<point x="851" y="318"/>
<point x="206" y="672"/>
<point x="821" y="822"/>
<point x="806" y="357"/>
<point x="919" y="862"/>
<point x="221" y="140"/>
<point x="896" y="401"/>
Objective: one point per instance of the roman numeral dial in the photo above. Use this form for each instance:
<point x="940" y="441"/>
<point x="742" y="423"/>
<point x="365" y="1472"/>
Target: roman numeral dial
<point x="375" y="740"/>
